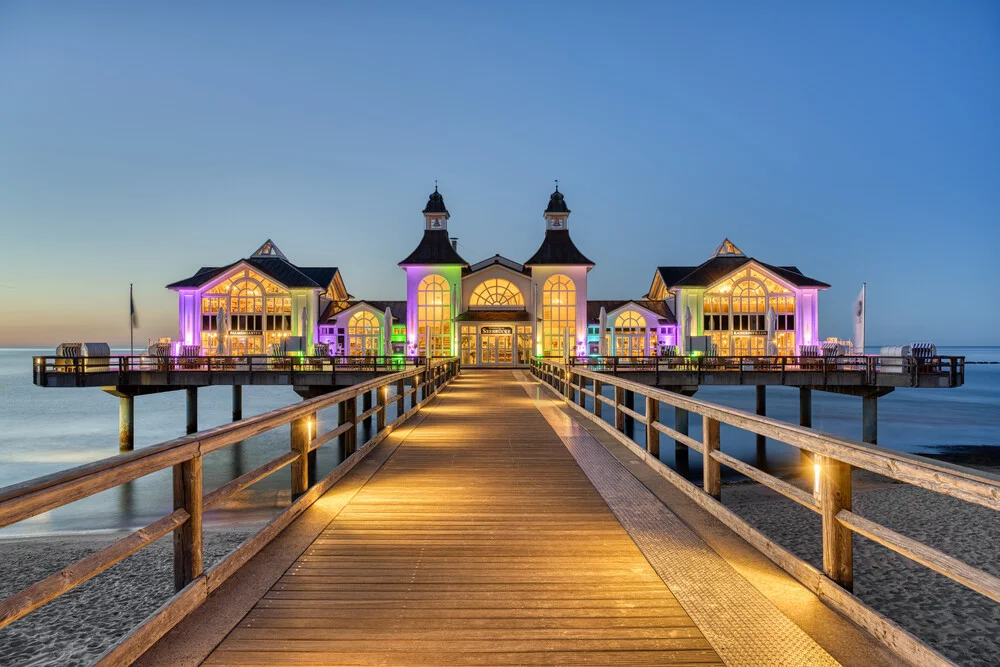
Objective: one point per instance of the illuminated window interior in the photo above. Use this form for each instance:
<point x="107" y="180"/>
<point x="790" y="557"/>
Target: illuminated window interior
<point x="558" y="315"/>
<point x="363" y="334"/>
<point x="434" y="317"/>
<point x="630" y="334"/>
<point x="735" y="314"/>
<point x="496" y="292"/>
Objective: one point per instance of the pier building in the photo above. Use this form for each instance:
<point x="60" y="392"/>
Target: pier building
<point x="498" y="311"/>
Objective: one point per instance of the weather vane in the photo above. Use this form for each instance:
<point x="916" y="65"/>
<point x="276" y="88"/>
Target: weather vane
<point x="557" y="185"/>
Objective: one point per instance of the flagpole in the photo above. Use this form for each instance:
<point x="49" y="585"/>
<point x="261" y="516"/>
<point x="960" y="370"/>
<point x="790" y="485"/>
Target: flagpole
<point x="864" y="314"/>
<point x="131" y="319"/>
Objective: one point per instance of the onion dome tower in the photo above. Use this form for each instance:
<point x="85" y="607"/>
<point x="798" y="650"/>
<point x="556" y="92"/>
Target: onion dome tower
<point x="557" y="247"/>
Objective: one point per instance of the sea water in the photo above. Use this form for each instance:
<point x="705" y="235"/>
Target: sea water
<point x="43" y="431"/>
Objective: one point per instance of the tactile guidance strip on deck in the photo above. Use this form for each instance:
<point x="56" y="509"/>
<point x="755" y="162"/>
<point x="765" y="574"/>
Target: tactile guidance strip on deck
<point x="740" y="623"/>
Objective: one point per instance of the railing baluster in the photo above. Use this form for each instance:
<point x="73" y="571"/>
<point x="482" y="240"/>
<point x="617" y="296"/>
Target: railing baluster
<point x="711" y="469"/>
<point x="300" y="466"/>
<point x="652" y="435"/>
<point x="838" y="540"/>
<point x="188" y="536"/>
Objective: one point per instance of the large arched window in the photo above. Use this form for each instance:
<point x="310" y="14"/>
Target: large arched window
<point x="558" y="316"/>
<point x="736" y="315"/>
<point x="434" y="317"/>
<point x="363" y="334"/>
<point x="630" y="334"/>
<point x="496" y="292"/>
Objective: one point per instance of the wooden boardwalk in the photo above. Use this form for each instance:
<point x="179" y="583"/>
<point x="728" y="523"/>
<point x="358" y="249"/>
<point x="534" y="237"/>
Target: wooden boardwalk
<point x="480" y="541"/>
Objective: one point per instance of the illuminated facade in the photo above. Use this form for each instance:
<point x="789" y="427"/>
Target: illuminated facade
<point x="498" y="312"/>
<point x="254" y="305"/>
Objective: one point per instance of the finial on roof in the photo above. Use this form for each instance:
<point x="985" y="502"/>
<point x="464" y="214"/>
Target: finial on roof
<point x="435" y="185"/>
<point x="557" y="185"/>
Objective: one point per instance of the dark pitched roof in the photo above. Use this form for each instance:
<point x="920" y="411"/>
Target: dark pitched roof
<point x="435" y="203"/>
<point x="434" y="248"/>
<point x="558" y="248"/>
<point x="717" y="268"/>
<point x="334" y="308"/>
<point x="661" y="309"/>
<point x="493" y="261"/>
<point x="494" y="316"/>
<point x="557" y="203"/>
<point x="278" y="268"/>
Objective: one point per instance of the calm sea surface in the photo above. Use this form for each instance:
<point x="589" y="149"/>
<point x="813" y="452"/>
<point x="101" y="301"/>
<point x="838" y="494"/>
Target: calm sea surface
<point x="46" y="430"/>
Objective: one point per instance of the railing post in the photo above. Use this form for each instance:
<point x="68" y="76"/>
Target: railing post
<point x="838" y="542"/>
<point x="188" y="536"/>
<point x="619" y="415"/>
<point x="711" y="468"/>
<point x="400" y="388"/>
<point x="598" y="403"/>
<point x="300" y="466"/>
<point x="581" y="397"/>
<point x="652" y="435"/>
<point x="382" y="394"/>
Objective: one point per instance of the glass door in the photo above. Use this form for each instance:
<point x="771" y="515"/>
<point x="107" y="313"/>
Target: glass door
<point x="497" y="349"/>
<point x="748" y="346"/>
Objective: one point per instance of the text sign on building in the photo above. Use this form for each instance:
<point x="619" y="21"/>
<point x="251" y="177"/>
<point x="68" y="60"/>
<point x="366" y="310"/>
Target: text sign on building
<point x="496" y="330"/>
<point x="749" y="333"/>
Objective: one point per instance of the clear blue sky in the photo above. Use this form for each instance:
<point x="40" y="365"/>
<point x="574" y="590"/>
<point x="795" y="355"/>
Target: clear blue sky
<point x="857" y="140"/>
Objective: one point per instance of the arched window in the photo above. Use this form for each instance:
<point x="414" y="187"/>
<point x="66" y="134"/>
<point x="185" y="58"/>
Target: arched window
<point x="630" y="334"/>
<point x="434" y="317"/>
<point x="736" y="315"/>
<point x="363" y="334"/>
<point x="558" y="316"/>
<point x="496" y="292"/>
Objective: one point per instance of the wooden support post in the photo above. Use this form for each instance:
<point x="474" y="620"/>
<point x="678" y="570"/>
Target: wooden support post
<point x="835" y="495"/>
<point x="382" y="394"/>
<point x="761" y="410"/>
<point x="192" y="409"/>
<point x="581" y="398"/>
<point x="712" y="469"/>
<point x="805" y="419"/>
<point x="619" y="415"/>
<point x="598" y="403"/>
<point x="352" y="434"/>
<point x="188" y="536"/>
<point x="869" y="420"/>
<point x="629" y="421"/>
<point x="366" y="405"/>
<point x="126" y="423"/>
<point x="301" y="428"/>
<point x="652" y="435"/>
<point x="400" y="388"/>
<point x="681" y="417"/>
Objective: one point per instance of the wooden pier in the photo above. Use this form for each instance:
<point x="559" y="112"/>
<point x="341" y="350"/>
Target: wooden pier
<point x="488" y="524"/>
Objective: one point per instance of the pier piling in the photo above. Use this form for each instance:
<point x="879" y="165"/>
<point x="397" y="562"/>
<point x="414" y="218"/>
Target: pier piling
<point x="680" y="425"/>
<point x="237" y="402"/>
<point x="869" y="419"/>
<point x="366" y="405"/>
<point x="805" y="418"/>
<point x="629" y="421"/>
<point x="126" y="423"/>
<point x="192" y="409"/>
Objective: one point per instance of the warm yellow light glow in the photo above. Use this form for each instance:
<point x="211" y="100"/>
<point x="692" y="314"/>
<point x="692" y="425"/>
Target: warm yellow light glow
<point x="816" y="474"/>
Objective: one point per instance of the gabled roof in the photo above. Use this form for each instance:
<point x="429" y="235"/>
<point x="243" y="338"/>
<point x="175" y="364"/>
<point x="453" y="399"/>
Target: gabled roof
<point x="278" y="268"/>
<point x="494" y="261"/>
<point x="434" y="248"/>
<point x="718" y="267"/>
<point x="396" y="308"/>
<point x="558" y="248"/>
<point x="660" y="308"/>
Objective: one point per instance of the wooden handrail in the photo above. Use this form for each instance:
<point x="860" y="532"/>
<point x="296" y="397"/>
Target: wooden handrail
<point x="184" y="455"/>
<point x="836" y="457"/>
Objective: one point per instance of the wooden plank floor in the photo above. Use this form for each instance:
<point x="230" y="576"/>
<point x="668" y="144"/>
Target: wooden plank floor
<point x="480" y="541"/>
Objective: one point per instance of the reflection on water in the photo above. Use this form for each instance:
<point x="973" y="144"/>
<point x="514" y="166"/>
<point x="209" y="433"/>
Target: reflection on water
<point x="43" y="431"/>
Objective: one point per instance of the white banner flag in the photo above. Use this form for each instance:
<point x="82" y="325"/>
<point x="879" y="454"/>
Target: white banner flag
<point x="859" y="321"/>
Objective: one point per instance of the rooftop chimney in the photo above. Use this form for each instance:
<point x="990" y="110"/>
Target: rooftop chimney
<point x="454" y="243"/>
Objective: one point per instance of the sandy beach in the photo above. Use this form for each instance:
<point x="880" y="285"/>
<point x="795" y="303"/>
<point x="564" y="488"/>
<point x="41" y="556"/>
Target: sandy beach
<point x="961" y="624"/>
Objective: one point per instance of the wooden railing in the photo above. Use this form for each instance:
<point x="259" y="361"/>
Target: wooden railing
<point x="833" y="460"/>
<point x="184" y="455"/>
<point x="248" y="363"/>
<point x="912" y="367"/>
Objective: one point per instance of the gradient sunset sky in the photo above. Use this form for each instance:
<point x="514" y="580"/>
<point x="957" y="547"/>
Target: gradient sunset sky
<point x="859" y="141"/>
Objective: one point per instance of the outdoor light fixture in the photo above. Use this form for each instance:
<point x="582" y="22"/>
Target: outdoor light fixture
<point x="816" y="479"/>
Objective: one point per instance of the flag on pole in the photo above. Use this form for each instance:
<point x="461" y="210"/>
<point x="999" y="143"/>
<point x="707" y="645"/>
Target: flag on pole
<point x="131" y="308"/>
<point x="859" y="321"/>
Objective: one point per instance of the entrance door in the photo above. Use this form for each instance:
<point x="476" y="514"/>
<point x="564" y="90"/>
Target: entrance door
<point x="243" y="345"/>
<point x="497" y="349"/>
<point x="748" y="346"/>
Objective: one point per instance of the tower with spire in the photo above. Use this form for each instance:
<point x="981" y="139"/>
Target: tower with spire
<point x="433" y="284"/>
